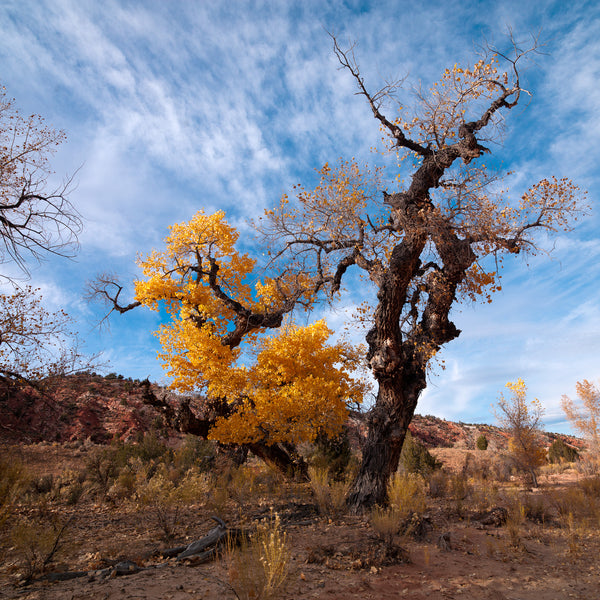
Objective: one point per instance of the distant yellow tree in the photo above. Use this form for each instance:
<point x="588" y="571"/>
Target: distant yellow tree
<point x="585" y="414"/>
<point x="522" y="420"/>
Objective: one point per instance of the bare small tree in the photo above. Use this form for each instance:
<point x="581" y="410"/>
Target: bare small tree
<point x="523" y="421"/>
<point x="584" y="414"/>
<point x="34" y="220"/>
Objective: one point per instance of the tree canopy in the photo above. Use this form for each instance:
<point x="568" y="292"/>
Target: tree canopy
<point x="428" y="235"/>
<point x="285" y="387"/>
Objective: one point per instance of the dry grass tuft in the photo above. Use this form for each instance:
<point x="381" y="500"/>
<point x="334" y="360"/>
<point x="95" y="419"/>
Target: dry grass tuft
<point x="259" y="568"/>
<point x="330" y="495"/>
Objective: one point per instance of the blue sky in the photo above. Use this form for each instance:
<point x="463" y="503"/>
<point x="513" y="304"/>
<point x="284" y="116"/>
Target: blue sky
<point x="174" y="106"/>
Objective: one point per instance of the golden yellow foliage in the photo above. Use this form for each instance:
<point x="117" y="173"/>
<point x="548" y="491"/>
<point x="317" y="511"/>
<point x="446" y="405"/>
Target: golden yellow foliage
<point x="298" y="386"/>
<point x="283" y="387"/>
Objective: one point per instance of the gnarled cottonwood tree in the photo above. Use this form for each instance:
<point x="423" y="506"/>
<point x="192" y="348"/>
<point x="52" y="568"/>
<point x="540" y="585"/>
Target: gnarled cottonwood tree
<point x="423" y="246"/>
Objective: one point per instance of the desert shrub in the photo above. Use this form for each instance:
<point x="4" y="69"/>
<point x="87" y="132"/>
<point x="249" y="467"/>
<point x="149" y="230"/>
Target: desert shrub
<point x="319" y="484"/>
<point x="36" y="540"/>
<point x="460" y="489"/>
<point x="330" y="495"/>
<point x="515" y="521"/>
<point x="41" y="485"/>
<point x="581" y="503"/>
<point x="536" y="508"/>
<point x="268" y="480"/>
<point x="415" y="458"/>
<point x="438" y="484"/>
<point x="74" y="493"/>
<point x="148" y="447"/>
<point x="406" y="494"/>
<point x="482" y="442"/>
<point x="13" y="480"/>
<point x="259" y="568"/>
<point x="479" y="468"/>
<point x="588" y="466"/>
<point x="218" y="494"/>
<point x="165" y="492"/>
<point x="124" y="486"/>
<point x="590" y="487"/>
<point x="242" y="483"/>
<point x="195" y="452"/>
<point x="101" y="468"/>
<point x="484" y="494"/>
<point x="385" y="521"/>
<point x="104" y="465"/>
<point x="68" y="487"/>
<point x="560" y="452"/>
<point x="406" y="506"/>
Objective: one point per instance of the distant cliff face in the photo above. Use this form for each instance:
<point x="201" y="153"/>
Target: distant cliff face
<point x="434" y="432"/>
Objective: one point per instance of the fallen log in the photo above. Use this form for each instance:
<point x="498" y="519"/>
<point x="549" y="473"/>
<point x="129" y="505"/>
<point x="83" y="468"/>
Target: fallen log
<point x="199" y="551"/>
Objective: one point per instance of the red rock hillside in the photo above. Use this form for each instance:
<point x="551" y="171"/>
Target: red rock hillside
<point x="105" y="408"/>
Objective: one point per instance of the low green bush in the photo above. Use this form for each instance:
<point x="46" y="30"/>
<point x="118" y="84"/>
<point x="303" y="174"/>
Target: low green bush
<point x="560" y="452"/>
<point x="415" y="458"/>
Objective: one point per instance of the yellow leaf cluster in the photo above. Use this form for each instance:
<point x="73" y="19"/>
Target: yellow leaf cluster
<point x="445" y="104"/>
<point x="285" y="387"/>
<point x="480" y="283"/>
<point x="299" y="386"/>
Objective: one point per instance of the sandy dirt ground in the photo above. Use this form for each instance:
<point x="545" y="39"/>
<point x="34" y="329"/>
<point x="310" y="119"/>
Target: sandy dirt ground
<point x="331" y="558"/>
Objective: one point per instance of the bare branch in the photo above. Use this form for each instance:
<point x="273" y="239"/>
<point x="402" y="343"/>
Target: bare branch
<point x="347" y="61"/>
<point x="107" y="289"/>
<point x="34" y="221"/>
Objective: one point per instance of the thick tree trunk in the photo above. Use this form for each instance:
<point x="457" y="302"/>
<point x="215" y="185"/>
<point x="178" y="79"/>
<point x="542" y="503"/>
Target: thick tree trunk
<point x="284" y="457"/>
<point x="387" y="426"/>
